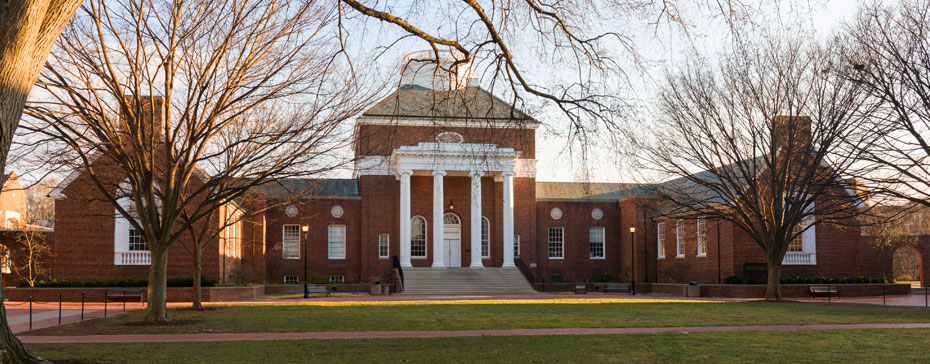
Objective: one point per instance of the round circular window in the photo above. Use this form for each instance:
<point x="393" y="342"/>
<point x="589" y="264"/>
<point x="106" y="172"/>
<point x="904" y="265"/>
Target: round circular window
<point x="597" y="214"/>
<point x="291" y="210"/>
<point x="556" y="213"/>
<point x="336" y="211"/>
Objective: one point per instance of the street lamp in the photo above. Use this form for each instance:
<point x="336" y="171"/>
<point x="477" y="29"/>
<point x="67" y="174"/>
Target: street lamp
<point x="633" y="258"/>
<point x="305" y="229"/>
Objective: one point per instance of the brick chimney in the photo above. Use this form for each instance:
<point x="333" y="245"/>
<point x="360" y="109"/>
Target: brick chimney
<point x="148" y="112"/>
<point x="792" y="129"/>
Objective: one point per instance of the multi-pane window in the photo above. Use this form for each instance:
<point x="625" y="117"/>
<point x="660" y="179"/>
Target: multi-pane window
<point x="679" y="239"/>
<point x="701" y="237"/>
<point x="290" y="279"/>
<point x="337" y="279"/>
<point x="136" y="242"/>
<point x="232" y="233"/>
<point x="660" y="238"/>
<point x="290" y="246"/>
<point x="337" y="242"/>
<point x="796" y="244"/>
<point x="596" y="240"/>
<point x="556" y="242"/>
<point x="418" y="237"/>
<point x="384" y="245"/>
<point x="485" y="237"/>
<point x="516" y="245"/>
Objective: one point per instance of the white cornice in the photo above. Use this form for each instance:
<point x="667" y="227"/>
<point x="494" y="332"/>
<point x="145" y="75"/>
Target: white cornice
<point x="448" y="122"/>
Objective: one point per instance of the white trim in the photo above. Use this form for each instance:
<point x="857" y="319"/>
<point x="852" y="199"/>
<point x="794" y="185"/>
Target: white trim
<point x="425" y="237"/>
<point x="446" y="122"/>
<point x="700" y="227"/>
<point x="387" y="243"/>
<point x="603" y="235"/>
<point x="330" y="242"/>
<point x="660" y="240"/>
<point x="679" y="239"/>
<point x="283" y="241"/>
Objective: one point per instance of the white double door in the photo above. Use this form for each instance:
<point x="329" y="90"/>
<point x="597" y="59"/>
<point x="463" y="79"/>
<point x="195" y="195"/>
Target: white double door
<point x="452" y="240"/>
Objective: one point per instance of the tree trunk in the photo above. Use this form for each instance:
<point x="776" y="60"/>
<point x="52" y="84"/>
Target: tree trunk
<point x="198" y="271"/>
<point x="773" y="289"/>
<point x="11" y="350"/>
<point x="158" y="287"/>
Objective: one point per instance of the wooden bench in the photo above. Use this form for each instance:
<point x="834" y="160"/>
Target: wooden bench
<point x="125" y="295"/>
<point x="823" y="291"/>
<point x="617" y="287"/>
<point x="318" y="289"/>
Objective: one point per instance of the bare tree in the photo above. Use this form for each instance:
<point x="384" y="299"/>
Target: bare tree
<point x="889" y="228"/>
<point x="754" y="141"/>
<point x="176" y="107"/>
<point x="30" y="256"/>
<point x="888" y="52"/>
<point x="28" y="29"/>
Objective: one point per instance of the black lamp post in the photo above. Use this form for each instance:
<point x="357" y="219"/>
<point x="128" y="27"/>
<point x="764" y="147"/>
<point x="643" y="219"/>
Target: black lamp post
<point x="633" y="258"/>
<point x="305" y="229"/>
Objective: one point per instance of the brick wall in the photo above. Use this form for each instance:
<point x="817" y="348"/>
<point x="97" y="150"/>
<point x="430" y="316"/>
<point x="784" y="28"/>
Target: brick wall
<point x="383" y="139"/>
<point x="576" y="220"/>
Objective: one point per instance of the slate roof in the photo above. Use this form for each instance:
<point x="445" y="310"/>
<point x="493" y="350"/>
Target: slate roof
<point x="586" y="191"/>
<point x="313" y="187"/>
<point x="468" y="103"/>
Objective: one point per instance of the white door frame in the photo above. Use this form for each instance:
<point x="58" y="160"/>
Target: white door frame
<point x="452" y="239"/>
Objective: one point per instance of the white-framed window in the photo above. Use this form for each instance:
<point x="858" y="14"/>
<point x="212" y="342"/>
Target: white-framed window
<point x="136" y="242"/>
<point x="556" y="242"/>
<point x="290" y="279"/>
<point x="337" y="242"/>
<point x="337" y="279"/>
<point x="797" y="244"/>
<point x="660" y="239"/>
<point x="679" y="239"/>
<point x="701" y="237"/>
<point x="516" y="245"/>
<point x="485" y="237"/>
<point x="290" y="243"/>
<point x="418" y="237"/>
<point x="232" y="232"/>
<point x="384" y="246"/>
<point x="596" y="240"/>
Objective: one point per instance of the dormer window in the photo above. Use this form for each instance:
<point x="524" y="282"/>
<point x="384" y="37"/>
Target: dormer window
<point x="450" y="137"/>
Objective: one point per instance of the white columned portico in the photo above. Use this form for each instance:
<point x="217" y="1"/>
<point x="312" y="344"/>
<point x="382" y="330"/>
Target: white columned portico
<point x="508" y="219"/>
<point x="405" y="217"/>
<point x="476" y="219"/>
<point x="439" y="255"/>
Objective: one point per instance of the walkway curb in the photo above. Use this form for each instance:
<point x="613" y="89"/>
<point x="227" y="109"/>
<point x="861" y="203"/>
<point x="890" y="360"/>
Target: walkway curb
<point x="445" y="333"/>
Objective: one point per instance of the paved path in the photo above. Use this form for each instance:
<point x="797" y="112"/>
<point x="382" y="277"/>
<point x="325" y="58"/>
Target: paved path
<point x="45" y="314"/>
<point x="445" y="333"/>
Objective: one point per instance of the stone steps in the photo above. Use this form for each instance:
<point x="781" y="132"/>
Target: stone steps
<point x="465" y="281"/>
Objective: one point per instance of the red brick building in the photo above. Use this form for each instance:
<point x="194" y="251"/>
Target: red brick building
<point x="445" y="177"/>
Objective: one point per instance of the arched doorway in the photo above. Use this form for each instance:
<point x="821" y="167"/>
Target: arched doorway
<point x="452" y="239"/>
<point x="908" y="265"/>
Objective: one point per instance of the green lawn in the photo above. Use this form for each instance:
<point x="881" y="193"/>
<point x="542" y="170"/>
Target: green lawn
<point x="839" y="346"/>
<point x="297" y="318"/>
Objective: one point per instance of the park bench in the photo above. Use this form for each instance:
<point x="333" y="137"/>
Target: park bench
<point x="125" y="295"/>
<point x="617" y="287"/>
<point x="823" y="291"/>
<point x="318" y="289"/>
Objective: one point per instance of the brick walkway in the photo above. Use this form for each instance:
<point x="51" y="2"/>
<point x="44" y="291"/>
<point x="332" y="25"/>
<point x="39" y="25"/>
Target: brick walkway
<point x="445" y="333"/>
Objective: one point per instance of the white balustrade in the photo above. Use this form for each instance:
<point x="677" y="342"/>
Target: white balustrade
<point x="133" y="258"/>
<point x="799" y="258"/>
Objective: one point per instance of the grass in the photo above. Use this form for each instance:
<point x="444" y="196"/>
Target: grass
<point x="299" y="318"/>
<point x="852" y="346"/>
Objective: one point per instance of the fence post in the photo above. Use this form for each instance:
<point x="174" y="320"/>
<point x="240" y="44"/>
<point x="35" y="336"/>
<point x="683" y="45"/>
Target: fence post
<point x="59" y="308"/>
<point x="106" y="299"/>
<point x="828" y="293"/>
<point x="30" y="313"/>
<point x="82" y="305"/>
<point x="124" y="300"/>
<point x="925" y="296"/>
<point x="883" y="294"/>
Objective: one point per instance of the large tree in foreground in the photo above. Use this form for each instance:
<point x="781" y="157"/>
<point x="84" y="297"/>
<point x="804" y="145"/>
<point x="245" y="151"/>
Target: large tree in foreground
<point x="754" y="141"/>
<point x="175" y="109"/>
<point x="887" y="50"/>
<point x="28" y="29"/>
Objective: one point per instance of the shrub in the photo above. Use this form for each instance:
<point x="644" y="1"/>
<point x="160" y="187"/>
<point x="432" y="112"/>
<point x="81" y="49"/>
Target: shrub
<point x="751" y="280"/>
<point x="905" y="277"/>
<point x="733" y="280"/>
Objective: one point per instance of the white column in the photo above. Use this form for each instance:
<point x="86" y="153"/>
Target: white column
<point x="476" y="219"/>
<point x="439" y="255"/>
<point x="508" y="219"/>
<point x="405" y="217"/>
